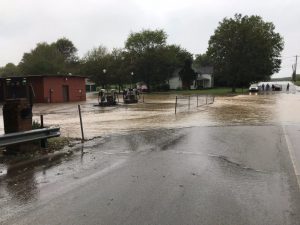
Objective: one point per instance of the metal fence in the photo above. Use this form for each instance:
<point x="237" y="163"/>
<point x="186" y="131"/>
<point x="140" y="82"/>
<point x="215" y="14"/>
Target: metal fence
<point x="189" y="102"/>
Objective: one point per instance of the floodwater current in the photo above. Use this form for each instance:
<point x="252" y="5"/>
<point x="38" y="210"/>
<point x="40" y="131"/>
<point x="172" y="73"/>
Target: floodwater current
<point x="158" y="111"/>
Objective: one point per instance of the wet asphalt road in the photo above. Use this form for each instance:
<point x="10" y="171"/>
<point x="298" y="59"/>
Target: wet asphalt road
<point x="197" y="175"/>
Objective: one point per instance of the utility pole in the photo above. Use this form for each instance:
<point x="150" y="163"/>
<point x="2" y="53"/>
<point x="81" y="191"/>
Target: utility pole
<point x="296" y="65"/>
<point x="294" y="77"/>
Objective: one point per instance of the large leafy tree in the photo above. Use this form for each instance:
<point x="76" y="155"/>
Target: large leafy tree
<point x="95" y="64"/>
<point x="244" y="49"/>
<point x="151" y="59"/>
<point x="67" y="49"/>
<point x="187" y="74"/>
<point x="144" y="50"/>
<point x="202" y="60"/>
<point x="59" y="57"/>
<point x="119" y="67"/>
<point x="9" y="70"/>
<point x="45" y="59"/>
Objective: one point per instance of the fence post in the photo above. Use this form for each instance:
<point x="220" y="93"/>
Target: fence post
<point x="206" y="99"/>
<point x="175" y="104"/>
<point x="44" y="143"/>
<point x="197" y="100"/>
<point x="189" y="102"/>
<point x="82" y="135"/>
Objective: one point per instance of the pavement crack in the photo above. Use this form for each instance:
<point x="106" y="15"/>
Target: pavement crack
<point x="172" y="142"/>
<point x="235" y="164"/>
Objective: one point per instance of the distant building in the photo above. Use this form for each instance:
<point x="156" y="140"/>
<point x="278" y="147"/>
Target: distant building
<point x="142" y="86"/>
<point x="204" y="79"/>
<point x="53" y="88"/>
<point x="90" y="86"/>
<point x="175" y="81"/>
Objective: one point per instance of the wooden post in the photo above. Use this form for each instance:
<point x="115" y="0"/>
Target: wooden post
<point x="44" y="143"/>
<point x="197" y="100"/>
<point x="82" y="135"/>
<point x="189" y="102"/>
<point x="175" y="104"/>
<point x="206" y="99"/>
<point x="42" y="121"/>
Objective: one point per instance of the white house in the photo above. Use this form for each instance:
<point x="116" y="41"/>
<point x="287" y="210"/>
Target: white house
<point x="175" y="81"/>
<point x="204" y="79"/>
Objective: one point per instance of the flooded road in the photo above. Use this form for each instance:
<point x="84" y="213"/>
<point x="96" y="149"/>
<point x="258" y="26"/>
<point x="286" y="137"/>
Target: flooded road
<point x="158" y="112"/>
<point x="223" y="163"/>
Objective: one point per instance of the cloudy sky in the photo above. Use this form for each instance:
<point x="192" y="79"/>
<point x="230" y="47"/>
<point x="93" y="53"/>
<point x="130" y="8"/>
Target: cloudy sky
<point x="89" y="23"/>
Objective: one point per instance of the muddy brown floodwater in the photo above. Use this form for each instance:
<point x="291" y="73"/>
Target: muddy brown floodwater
<point x="158" y="112"/>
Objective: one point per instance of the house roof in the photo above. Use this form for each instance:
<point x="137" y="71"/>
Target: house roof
<point x="204" y="69"/>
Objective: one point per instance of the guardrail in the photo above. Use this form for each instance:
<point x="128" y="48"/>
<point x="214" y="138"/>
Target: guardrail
<point x="26" y="136"/>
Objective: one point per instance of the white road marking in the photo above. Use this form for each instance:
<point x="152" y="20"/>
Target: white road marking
<point x="292" y="154"/>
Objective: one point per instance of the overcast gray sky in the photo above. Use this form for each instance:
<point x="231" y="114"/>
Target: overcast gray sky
<point x="89" y="23"/>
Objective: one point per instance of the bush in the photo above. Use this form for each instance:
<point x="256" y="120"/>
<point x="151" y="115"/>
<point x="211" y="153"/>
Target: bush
<point x="36" y="124"/>
<point x="161" y="87"/>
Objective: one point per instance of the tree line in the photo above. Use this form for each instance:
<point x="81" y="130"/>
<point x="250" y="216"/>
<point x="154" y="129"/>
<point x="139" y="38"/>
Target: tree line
<point x="242" y="49"/>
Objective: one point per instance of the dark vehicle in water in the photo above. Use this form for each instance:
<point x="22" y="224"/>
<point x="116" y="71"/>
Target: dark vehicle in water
<point x="130" y="96"/>
<point x="107" y="98"/>
<point x="277" y="87"/>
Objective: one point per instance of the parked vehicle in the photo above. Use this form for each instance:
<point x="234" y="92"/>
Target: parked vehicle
<point x="253" y="88"/>
<point x="107" y="98"/>
<point x="130" y="96"/>
<point x="277" y="87"/>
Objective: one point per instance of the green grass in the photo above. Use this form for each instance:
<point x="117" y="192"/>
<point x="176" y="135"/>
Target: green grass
<point x="297" y="82"/>
<point x="212" y="91"/>
<point x="57" y="143"/>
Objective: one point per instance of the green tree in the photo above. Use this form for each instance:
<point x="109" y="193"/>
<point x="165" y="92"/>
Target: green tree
<point x="202" y="60"/>
<point x="151" y="59"/>
<point x="174" y="57"/>
<point x="9" y="70"/>
<point x="45" y="59"/>
<point x="119" y="67"/>
<point x="187" y="74"/>
<point x="95" y="64"/>
<point x="144" y="50"/>
<point x="244" y="49"/>
<point x="67" y="49"/>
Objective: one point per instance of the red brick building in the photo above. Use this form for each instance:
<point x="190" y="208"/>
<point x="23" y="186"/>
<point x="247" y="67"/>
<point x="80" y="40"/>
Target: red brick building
<point x="55" y="89"/>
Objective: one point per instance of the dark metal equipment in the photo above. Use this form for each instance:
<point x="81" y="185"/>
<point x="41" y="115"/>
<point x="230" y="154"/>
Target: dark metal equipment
<point x="18" y="98"/>
<point x="107" y="98"/>
<point x="130" y="96"/>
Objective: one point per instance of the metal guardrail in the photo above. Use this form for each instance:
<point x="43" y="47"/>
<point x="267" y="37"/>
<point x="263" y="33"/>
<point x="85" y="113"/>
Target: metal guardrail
<point x="25" y="136"/>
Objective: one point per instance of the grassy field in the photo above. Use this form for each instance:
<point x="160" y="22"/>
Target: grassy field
<point x="297" y="82"/>
<point x="212" y="91"/>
